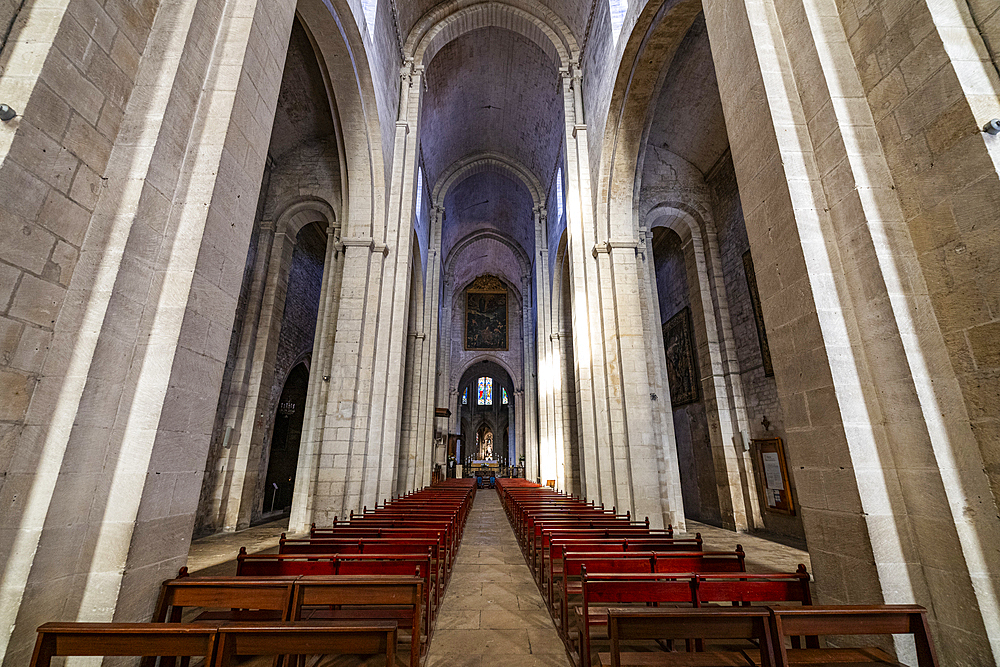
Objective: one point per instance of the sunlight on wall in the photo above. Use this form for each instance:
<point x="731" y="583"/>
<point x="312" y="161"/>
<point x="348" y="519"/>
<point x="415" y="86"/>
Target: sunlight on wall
<point x="371" y="10"/>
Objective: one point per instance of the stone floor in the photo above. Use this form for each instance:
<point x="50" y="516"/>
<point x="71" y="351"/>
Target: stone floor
<point x="492" y="614"/>
<point x="763" y="555"/>
<point x="215" y="555"/>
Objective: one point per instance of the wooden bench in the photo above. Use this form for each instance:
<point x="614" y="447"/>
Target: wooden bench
<point x="174" y="640"/>
<point x="845" y="621"/>
<point x="603" y="591"/>
<point x="385" y="598"/>
<point x="306" y="638"/>
<point x="630" y="625"/>
<point x="224" y="598"/>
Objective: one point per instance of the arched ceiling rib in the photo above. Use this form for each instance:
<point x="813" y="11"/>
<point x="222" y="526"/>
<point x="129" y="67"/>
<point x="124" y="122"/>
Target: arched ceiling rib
<point x="491" y="91"/>
<point x="564" y="20"/>
<point x="488" y="201"/>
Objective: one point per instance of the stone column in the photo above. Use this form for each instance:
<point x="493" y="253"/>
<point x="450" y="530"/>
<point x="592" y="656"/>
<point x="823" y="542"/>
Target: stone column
<point x="319" y="380"/>
<point x="113" y="428"/>
<point x="663" y="416"/>
<point x="530" y="358"/>
<point x="359" y="454"/>
<point x="596" y="483"/>
<point x="231" y="465"/>
<point x="429" y="391"/>
<point x="894" y="496"/>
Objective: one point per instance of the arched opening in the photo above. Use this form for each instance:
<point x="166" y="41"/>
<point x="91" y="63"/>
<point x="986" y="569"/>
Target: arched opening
<point x="285" y="439"/>
<point x="280" y="298"/>
<point x="687" y="401"/>
<point x="487" y="419"/>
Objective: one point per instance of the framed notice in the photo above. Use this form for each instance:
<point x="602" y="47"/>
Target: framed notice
<point x="772" y="475"/>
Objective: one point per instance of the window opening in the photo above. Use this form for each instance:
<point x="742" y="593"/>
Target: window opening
<point x="370" y="8"/>
<point x="465" y="396"/>
<point x="503" y="396"/>
<point x="420" y="191"/>
<point x="618" y="9"/>
<point x="559" y="194"/>
<point x="485" y="391"/>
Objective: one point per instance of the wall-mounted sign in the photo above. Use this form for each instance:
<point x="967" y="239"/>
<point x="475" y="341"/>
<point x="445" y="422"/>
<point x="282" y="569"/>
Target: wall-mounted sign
<point x="772" y="475"/>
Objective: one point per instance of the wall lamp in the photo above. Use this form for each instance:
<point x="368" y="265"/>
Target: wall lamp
<point x="6" y="113"/>
<point x="992" y="127"/>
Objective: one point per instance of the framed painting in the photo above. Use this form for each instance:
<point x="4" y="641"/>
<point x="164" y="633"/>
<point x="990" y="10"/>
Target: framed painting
<point x="486" y="315"/>
<point x="678" y="343"/>
<point x="758" y="314"/>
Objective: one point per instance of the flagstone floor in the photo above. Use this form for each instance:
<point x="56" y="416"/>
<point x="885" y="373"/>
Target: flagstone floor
<point x="492" y="614"/>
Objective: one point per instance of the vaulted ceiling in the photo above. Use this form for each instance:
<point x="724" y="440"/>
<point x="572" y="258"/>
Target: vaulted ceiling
<point x="688" y="119"/>
<point x="303" y="111"/>
<point x="491" y="91"/>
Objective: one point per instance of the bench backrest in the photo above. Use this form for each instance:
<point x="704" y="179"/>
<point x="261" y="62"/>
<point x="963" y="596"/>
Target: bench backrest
<point x="222" y="593"/>
<point x="637" y="589"/>
<point x="123" y="639"/>
<point x="306" y="638"/>
<point x="748" y="588"/>
<point x="603" y="563"/>
<point x="699" y="561"/>
<point x="727" y="623"/>
<point x="855" y="620"/>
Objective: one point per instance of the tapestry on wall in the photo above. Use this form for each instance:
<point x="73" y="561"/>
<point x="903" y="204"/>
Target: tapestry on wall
<point x="486" y="315"/>
<point x="678" y="342"/>
<point x="758" y="314"/>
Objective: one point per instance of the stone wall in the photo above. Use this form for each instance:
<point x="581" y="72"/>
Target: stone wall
<point x="71" y="100"/>
<point x="945" y="171"/>
<point x="759" y="390"/>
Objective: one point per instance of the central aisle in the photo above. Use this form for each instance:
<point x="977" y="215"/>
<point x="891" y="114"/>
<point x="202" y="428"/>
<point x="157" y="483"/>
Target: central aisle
<point x="492" y="614"/>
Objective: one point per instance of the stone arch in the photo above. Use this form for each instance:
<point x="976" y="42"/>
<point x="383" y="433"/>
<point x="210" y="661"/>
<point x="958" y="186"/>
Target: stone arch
<point x="486" y="356"/>
<point x="654" y="39"/>
<point x="468" y="240"/>
<point x="488" y="162"/>
<point x="292" y="215"/>
<point x="453" y="19"/>
<point x="722" y="392"/>
<point x="342" y="57"/>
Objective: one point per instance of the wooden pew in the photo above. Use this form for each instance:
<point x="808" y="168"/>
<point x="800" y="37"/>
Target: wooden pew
<point x="306" y="638"/>
<point x="576" y="565"/>
<point x="364" y="545"/>
<point x="560" y="546"/>
<point x="845" y="621"/>
<point x="224" y="598"/>
<point x="676" y="562"/>
<point x="150" y="640"/>
<point x="388" y="598"/>
<point x="629" y="625"/>
<point x="266" y="565"/>
<point x="603" y="591"/>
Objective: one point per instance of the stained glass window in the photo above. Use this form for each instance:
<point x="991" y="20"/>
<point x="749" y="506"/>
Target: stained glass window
<point x="465" y="396"/>
<point x="485" y="396"/>
<point x="503" y="396"/>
